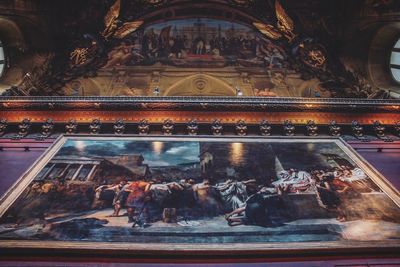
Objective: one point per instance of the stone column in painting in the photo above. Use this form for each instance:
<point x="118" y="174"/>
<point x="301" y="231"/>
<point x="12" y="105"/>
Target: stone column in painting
<point x="91" y="173"/>
<point x="77" y="172"/>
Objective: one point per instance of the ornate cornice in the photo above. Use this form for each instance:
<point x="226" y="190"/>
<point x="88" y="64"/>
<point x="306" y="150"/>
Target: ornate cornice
<point x="199" y="104"/>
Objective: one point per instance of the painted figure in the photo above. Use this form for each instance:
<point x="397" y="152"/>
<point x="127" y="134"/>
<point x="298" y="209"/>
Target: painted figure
<point x="207" y="198"/>
<point x="257" y="210"/>
<point x="136" y="202"/>
<point x="122" y="54"/>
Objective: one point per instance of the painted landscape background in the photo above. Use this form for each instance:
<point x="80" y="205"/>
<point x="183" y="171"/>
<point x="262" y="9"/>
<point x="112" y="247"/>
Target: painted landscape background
<point x="201" y="192"/>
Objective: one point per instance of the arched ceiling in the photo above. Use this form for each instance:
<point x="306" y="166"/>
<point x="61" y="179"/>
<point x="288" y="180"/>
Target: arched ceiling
<point x="205" y="9"/>
<point x="75" y="24"/>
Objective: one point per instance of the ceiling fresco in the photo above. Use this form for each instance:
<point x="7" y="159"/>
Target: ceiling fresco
<point x="272" y="48"/>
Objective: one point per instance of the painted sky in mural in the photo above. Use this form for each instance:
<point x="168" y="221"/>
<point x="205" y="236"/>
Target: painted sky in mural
<point x="154" y="153"/>
<point x="212" y="190"/>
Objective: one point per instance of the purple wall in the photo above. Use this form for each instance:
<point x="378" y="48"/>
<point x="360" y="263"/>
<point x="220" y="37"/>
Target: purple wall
<point x="385" y="157"/>
<point x="387" y="163"/>
<point x="15" y="160"/>
<point x="13" y="165"/>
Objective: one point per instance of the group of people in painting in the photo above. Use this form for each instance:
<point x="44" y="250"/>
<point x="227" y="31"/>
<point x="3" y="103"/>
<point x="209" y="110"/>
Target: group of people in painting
<point x="164" y="46"/>
<point x="242" y="202"/>
<point x="331" y="187"/>
<point x="164" y="43"/>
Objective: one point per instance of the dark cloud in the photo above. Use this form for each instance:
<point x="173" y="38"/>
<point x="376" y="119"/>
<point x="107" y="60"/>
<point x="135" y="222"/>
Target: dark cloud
<point x="106" y="149"/>
<point x="167" y="154"/>
<point x="140" y="146"/>
<point x="291" y="155"/>
<point x="306" y="156"/>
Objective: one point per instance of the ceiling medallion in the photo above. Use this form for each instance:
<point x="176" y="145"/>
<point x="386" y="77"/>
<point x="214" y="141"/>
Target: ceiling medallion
<point x="200" y="84"/>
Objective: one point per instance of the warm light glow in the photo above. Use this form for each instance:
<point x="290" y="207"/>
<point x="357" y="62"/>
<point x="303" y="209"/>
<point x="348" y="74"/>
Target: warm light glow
<point x="236" y="153"/>
<point x="80" y="145"/>
<point x="158" y="147"/>
<point x="311" y="147"/>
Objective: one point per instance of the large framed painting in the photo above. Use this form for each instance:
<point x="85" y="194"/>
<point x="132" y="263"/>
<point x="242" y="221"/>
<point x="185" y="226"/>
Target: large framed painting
<point x="214" y="195"/>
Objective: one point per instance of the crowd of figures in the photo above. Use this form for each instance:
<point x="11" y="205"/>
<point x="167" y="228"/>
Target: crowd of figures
<point x="240" y="49"/>
<point x="242" y="202"/>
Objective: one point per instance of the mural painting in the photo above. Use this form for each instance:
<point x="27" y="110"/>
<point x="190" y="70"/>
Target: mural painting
<point x="199" y="43"/>
<point x="246" y="60"/>
<point x="204" y="190"/>
<point x="119" y="52"/>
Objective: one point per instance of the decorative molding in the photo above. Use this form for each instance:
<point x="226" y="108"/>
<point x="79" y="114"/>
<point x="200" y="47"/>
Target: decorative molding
<point x="358" y="130"/>
<point x="119" y="127"/>
<point x="311" y="128"/>
<point x="199" y="104"/>
<point x="39" y="131"/>
<point x="288" y="128"/>
<point x="265" y="128"/>
<point x="192" y="127"/>
<point x="335" y="129"/>
<point x="241" y="128"/>
<point x="216" y="127"/>
<point x="144" y="127"/>
<point x="46" y="129"/>
<point x="23" y="129"/>
<point x="168" y="127"/>
<point x="3" y="126"/>
<point x="95" y="126"/>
